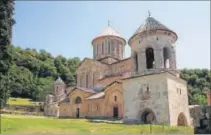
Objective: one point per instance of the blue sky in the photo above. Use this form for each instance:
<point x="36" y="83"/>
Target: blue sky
<point x="68" y="27"/>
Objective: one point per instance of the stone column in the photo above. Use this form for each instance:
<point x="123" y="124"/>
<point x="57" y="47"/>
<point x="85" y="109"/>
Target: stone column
<point x="158" y="55"/>
<point x="94" y="53"/>
<point x="120" y="50"/>
<point x="141" y="61"/>
<point x="174" y="62"/>
<point x="133" y="56"/>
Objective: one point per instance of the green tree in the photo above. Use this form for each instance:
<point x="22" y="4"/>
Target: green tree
<point x="6" y="23"/>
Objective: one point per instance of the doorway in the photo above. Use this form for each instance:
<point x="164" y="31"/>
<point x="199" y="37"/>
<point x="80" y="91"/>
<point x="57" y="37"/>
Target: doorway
<point x="77" y="112"/>
<point x="147" y="117"/>
<point x="115" y="112"/>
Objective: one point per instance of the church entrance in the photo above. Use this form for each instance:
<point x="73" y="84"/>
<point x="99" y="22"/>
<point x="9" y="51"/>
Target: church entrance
<point x="77" y="112"/>
<point x="78" y="102"/>
<point x="181" y="121"/>
<point x="147" y="117"/>
<point x="115" y="112"/>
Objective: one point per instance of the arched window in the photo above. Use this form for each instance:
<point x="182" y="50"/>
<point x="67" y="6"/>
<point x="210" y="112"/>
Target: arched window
<point x="136" y="61"/>
<point x="109" y="47"/>
<point x="166" y="56"/>
<point x="102" y="48"/>
<point x="150" y="58"/>
<point x="97" y="107"/>
<point x="96" y="50"/>
<point x="87" y="80"/>
<point x="93" y="79"/>
<point x="115" y="98"/>
<point x="81" y="80"/>
<point x="78" y="100"/>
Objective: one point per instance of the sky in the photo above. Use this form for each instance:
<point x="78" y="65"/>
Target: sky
<point x="68" y="27"/>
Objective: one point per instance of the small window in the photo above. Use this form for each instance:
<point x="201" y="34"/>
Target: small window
<point x="96" y="49"/>
<point x="102" y="48"/>
<point x="147" y="88"/>
<point x="109" y="47"/>
<point x="87" y="80"/>
<point x="97" y="107"/>
<point x="115" y="98"/>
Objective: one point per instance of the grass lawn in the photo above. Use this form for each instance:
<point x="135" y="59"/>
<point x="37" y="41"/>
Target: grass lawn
<point x="13" y="124"/>
<point x="21" y="101"/>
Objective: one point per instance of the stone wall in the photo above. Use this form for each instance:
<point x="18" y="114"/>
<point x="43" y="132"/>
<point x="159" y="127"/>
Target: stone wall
<point x="24" y="108"/>
<point x="178" y="100"/>
<point x="137" y="99"/>
<point x="201" y="115"/>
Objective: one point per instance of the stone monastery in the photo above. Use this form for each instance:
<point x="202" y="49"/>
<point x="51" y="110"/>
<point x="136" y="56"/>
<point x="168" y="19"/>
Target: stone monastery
<point x="144" y="88"/>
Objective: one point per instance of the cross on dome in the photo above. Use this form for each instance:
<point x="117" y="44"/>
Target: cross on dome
<point x="108" y="23"/>
<point x="149" y="13"/>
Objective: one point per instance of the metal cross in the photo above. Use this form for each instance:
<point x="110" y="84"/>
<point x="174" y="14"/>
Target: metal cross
<point x="149" y="13"/>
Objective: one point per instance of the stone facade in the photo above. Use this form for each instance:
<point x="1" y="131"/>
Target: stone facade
<point x="158" y="94"/>
<point x="144" y="88"/>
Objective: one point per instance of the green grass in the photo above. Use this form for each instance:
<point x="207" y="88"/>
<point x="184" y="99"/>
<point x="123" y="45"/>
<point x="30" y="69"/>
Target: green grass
<point x="12" y="124"/>
<point x="21" y="101"/>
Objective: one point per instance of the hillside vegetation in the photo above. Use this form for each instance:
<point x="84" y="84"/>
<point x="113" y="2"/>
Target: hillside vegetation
<point x="22" y="101"/>
<point x="32" y="73"/>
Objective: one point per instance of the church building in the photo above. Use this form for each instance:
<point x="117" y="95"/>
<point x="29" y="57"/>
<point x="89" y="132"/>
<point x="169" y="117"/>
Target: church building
<point x="144" y="88"/>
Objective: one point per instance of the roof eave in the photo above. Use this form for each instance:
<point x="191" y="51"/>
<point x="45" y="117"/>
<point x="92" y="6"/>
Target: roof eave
<point x="129" y="41"/>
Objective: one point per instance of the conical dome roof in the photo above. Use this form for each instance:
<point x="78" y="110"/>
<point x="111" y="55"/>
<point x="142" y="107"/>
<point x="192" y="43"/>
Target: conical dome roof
<point x="59" y="81"/>
<point x="151" y="24"/>
<point x="109" y="31"/>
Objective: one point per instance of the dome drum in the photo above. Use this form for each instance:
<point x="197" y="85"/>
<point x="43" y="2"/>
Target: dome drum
<point x="101" y="39"/>
<point x="141" y="36"/>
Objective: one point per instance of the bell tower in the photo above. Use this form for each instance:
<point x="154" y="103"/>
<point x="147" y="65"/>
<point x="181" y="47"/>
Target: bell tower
<point x="152" y="47"/>
<point x="59" y="89"/>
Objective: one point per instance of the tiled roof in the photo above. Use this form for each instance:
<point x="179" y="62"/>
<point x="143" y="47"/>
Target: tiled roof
<point x="102" y="93"/>
<point x="109" y="31"/>
<point x="59" y="81"/>
<point x="150" y="24"/>
<point x="95" y="96"/>
<point x="66" y="100"/>
<point x="86" y="89"/>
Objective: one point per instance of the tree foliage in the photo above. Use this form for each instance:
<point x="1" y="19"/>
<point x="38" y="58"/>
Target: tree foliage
<point x="197" y="80"/>
<point x="6" y="23"/>
<point x="33" y="72"/>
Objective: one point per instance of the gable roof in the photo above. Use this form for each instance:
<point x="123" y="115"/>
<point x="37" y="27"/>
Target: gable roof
<point x="82" y="89"/>
<point x="88" y="59"/>
<point x="102" y="93"/>
<point x="95" y="96"/>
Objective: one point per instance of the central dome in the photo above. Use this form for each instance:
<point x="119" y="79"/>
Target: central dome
<point x="109" y="31"/>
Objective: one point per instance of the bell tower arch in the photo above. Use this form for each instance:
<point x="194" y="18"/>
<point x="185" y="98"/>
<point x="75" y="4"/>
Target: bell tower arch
<point x="153" y="47"/>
